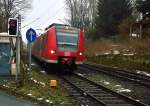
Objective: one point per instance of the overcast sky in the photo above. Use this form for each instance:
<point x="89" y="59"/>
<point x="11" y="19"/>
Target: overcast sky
<point x="42" y="14"/>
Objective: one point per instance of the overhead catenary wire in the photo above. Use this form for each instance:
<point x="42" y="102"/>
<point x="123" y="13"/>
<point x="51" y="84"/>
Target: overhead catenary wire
<point x="30" y="22"/>
<point x="38" y="18"/>
<point x="54" y="15"/>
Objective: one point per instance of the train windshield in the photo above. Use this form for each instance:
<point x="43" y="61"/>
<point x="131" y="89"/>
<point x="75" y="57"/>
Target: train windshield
<point x="67" y="39"/>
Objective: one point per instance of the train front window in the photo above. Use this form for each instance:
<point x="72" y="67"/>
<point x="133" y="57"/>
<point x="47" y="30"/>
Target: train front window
<point x="67" y="41"/>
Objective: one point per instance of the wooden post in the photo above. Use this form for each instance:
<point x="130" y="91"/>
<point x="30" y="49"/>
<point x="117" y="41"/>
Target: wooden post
<point x="140" y="31"/>
<point x="130" y="35"/>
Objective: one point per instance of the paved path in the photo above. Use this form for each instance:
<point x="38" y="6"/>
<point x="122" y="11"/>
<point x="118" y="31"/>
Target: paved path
<point x="7" y="100"/>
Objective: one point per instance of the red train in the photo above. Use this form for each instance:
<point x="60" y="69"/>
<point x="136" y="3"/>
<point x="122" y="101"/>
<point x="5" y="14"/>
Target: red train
<point x="60" y="44"/>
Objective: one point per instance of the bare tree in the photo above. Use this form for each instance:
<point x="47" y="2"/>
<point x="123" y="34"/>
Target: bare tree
<point x="10" y="8"/>
<point x="82" y="12"/>
<point x="72" y="9"/>
<point x="92" y="11"/>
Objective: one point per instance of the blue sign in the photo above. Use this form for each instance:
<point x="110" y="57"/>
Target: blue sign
<point x="31" y="35"/>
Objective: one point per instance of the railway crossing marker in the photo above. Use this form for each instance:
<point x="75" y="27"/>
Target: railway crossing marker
<point x="31" y="37"/>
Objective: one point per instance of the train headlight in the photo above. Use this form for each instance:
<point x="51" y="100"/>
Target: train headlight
<point x="80" y="53"/>
<point x="52" y="52"/>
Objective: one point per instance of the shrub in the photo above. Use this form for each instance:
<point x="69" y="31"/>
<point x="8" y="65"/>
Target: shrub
<point x="124" y="28"/>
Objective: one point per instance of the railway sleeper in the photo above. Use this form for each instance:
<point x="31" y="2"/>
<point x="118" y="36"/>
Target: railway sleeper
<point x="107" y="98"/>
<point x="114" y="101"/>
<point x="96" y="92"/>
<point x="120" y="105"/>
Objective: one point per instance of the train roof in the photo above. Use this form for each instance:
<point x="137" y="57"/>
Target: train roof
<point x="56" y="24"/>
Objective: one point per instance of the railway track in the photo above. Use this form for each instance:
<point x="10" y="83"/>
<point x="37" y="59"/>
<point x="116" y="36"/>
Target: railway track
<point x="97" y="94"/>
<point x="137" y="78"/>
<point x="87" y="93"/>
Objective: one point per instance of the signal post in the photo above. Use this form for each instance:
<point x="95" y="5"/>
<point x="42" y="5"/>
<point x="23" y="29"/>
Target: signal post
<point x="14" y="30"/>
<point x="31" y="37"/>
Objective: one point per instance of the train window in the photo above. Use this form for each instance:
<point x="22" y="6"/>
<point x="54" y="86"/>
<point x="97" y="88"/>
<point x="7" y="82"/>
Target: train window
<point x="67" y="41"/>
<point x="67" y="37"/>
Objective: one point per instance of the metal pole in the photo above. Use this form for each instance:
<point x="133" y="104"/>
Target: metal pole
<point x="18" y="48"/>
<point x="29" y="58"/>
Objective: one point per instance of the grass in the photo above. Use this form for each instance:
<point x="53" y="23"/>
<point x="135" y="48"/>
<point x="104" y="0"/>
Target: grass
<point x="129" y="46"/>
<point x="38" y="89"/>
<point x="131" y="54"/>
<point x="134" y="63"/>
